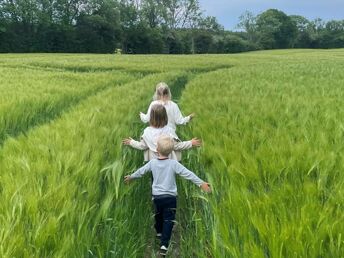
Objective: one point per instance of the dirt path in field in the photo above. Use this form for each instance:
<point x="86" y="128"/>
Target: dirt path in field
<point x="153" y="243"/>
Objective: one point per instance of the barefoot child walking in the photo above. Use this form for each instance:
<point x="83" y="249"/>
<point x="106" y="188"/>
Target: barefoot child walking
<point x="158" y="125"/>
<point x="164" y="188"/>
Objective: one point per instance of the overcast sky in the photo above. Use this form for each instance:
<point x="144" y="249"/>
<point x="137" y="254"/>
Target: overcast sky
<point x="228" y="11"/>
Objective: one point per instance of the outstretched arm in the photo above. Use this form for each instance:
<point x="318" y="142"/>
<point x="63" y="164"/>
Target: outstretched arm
<point x="194" y="142"/>
<point x="189" y="175"/>
<point x="146" y="117"/>
<point x="138" y="173"/>
<point x="179" y="119"/>
<point x="140" y="145"/>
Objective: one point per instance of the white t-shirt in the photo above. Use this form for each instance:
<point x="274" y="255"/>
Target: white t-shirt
<point x="151" y="136"/>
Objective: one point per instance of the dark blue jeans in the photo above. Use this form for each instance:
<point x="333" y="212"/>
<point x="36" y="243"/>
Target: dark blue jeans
<point x="165" y="214"/>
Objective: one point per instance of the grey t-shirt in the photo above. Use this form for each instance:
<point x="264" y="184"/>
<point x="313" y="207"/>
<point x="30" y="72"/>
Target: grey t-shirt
<point x="164" y="171"/>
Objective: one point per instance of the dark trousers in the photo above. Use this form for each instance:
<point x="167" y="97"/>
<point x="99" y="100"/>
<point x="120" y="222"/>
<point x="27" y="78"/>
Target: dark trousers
<point x="165" y="214"/>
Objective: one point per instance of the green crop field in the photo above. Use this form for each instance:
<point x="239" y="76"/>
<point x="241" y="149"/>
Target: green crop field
<point x="272" y="126"/>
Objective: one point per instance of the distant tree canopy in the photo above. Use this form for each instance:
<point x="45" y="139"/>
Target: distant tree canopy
<point x="274" y="29"/>
<point x="151" y="26"/>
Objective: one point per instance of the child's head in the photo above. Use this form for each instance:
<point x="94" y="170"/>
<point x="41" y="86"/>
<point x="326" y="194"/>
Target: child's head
<point x="165" y="145"/>
<point x="158" y="116"/>
<point x="162" y="92"/>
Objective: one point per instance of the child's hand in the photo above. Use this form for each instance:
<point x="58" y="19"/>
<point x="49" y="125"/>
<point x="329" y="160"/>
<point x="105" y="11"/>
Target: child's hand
<point x="192" y="115"/>
<point x="206" y="187"/>
<point x="127" y="179"/>
<point x="126" y="141"/>
<point x="196" y="142"/>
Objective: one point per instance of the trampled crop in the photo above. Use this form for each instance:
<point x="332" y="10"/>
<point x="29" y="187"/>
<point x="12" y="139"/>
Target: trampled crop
<point x="272" y="129"/>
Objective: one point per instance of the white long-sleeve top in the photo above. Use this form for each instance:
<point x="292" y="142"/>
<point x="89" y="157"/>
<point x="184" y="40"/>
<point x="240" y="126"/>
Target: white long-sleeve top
<point x="164" y="175"/>
<point x="174" y="115"/>
<point x="149" y="139"/>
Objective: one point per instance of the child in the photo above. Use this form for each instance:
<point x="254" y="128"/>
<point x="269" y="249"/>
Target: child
<point x="164" y="188"/>
<point x="163" y="96"/>
<point x="158" y="126"/>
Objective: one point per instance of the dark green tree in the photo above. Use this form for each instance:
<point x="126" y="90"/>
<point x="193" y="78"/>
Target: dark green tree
<point x="247" y="22"/>
<point x="305" y="32"/>
<point x="210" y="23"/>
<point x="100" y="31"/>
<point x="276" y="29"/>
<point x="203" y="42"/>
<point x="152" y="12"/>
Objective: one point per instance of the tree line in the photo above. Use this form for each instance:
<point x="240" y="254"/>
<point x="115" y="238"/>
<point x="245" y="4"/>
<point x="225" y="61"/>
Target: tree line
<point x="273" y="29"/>
<point x="151" y="26"/>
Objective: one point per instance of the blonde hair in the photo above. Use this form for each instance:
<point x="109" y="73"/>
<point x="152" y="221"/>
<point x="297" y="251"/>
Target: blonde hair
<point x="165" y="145"/>
<point x="158" y="116"/>
<point x="162" y="92"/>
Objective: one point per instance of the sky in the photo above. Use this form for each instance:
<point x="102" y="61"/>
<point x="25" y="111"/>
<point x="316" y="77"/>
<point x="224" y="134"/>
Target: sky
<point x="227" y="12"/>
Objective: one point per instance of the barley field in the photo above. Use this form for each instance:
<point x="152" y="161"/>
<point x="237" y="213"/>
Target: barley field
<point x="272" y="127"/>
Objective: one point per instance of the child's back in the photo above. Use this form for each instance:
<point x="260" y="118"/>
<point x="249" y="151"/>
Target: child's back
<point x="158" y="126"/>
<point x="164" y="176"/>
<point x="164" y="188"/>
<point x="163" y="97"/>
<point x="174" y="114"/>
<point x="151" y="134"/>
